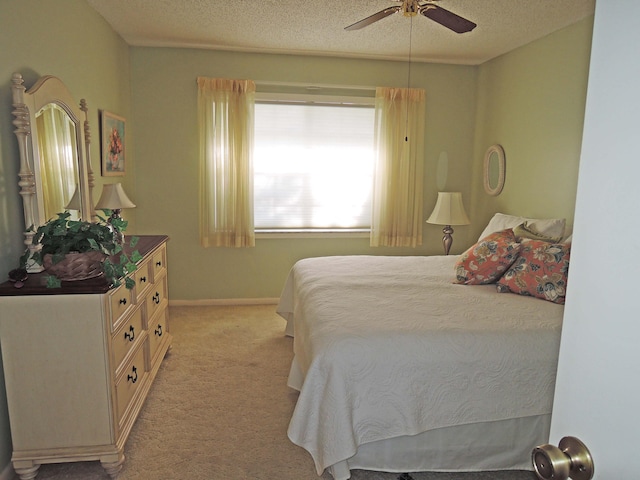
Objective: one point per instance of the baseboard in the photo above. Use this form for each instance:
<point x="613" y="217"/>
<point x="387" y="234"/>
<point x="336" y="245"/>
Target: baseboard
<point x="205" y="302"/>
<point x="8" y="473"/>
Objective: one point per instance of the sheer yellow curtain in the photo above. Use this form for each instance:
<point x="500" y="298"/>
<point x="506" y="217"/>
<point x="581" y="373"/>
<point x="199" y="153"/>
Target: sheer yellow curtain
<point x="225" y="118"/>
<point x="398" y="178"/>
<point x="58" y="158"/>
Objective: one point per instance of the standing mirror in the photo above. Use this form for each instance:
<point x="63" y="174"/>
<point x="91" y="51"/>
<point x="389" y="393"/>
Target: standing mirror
<point x="55" y="167"/>
<point x="494" y="170"/>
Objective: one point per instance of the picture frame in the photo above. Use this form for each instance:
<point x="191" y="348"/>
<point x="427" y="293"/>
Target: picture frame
<point x="113" y="142"/>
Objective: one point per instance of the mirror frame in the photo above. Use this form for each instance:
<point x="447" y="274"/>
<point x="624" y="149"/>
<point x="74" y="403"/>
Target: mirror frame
<point x="26" y="104"/>
<point x="488" y="188"/>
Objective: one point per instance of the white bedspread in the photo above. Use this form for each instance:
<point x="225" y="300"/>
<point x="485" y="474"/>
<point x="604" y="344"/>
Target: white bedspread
<point x="389" y="346"/>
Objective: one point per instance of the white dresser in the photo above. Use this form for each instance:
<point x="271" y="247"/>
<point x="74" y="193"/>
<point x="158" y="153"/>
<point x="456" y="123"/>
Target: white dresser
<point x="80" y="360"/>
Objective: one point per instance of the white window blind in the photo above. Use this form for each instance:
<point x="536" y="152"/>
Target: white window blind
<point x="313" y="166"/>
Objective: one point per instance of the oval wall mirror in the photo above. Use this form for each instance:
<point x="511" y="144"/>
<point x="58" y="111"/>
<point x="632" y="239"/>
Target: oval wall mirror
<point x="494" y="169"/>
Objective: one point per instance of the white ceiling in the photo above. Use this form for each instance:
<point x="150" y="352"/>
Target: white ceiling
<point x="316" y="27"/>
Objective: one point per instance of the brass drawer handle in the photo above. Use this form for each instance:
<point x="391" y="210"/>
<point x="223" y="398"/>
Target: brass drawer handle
<point x="131" y="334"/>
<point x="131" y="378"/>
<point x="158" y="331"/>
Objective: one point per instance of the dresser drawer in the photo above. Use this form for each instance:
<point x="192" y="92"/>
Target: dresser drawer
<point x="157" y="296"/>
<point x="127" y="335"/>
<point x="120" y="300"/>
<point x="158" y="333"/>
<point x="142" y="277"/>
<point x="159" y="262"/>
<point x="131" y="379"/>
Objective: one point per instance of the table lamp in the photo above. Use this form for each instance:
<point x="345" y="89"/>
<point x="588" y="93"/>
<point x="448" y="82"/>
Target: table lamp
<point x="113" y="198"/>
<point x="448" y="211"/>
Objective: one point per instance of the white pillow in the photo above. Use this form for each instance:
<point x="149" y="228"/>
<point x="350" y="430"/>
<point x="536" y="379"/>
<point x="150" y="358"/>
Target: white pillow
<point x="551" y="227"/>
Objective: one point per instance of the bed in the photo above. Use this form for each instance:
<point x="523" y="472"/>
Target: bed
<point x="401" y="369"/>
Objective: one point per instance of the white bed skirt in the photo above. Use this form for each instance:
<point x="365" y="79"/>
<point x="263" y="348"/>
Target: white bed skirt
<point x="498" y="445"/>
<point x="506" y="445"/>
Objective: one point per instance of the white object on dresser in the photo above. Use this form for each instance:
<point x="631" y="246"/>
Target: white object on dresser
<point x="79" y="362"/>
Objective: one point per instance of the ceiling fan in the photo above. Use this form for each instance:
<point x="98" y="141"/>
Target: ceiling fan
<point x="429" y="9"/>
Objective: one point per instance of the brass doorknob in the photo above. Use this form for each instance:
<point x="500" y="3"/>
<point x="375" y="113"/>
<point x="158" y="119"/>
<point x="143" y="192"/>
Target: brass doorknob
<point x="570" y="459"/>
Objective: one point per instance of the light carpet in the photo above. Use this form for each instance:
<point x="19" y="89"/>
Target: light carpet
<point x="220" y="407"/>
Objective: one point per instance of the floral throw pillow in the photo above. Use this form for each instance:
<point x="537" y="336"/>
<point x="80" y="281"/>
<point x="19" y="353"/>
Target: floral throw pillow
<point x="539" y="271"/>
<point x="487" y="260"/>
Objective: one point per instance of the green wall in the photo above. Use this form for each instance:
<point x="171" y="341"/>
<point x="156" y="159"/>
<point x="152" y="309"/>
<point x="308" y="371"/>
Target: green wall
<point x="68" y="39"/>
<point x="531" y="101"/>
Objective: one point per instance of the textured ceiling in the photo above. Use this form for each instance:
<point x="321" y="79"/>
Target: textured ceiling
<point x="317" y="27"/>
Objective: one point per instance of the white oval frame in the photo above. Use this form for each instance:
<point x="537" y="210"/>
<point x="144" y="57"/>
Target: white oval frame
<point x="497" y="149"/>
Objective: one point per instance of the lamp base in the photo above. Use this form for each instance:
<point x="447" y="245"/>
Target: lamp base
<point x="447" y="238"/>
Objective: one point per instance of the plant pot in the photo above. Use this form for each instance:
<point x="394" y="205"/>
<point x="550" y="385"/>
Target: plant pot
<point x="75" y="266"/>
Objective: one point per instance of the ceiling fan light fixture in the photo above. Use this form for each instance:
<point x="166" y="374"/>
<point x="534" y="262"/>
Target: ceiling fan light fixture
<point x="410" y="8"/>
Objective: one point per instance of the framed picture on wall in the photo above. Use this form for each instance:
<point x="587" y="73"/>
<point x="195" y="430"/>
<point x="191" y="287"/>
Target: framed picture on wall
<point x="113" y="145"/>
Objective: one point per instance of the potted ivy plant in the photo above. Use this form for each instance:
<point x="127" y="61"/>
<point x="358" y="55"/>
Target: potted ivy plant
<point x="78" y="249"/>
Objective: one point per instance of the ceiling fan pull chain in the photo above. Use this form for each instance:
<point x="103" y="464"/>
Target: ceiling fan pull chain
<point x="406" y="127"/>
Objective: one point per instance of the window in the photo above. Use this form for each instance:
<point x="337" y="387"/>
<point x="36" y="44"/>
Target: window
<point x="313" y="164"/>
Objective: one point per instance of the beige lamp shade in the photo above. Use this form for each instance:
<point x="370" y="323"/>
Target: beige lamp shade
<point x="113" y="198"/>
<point x="74" y="202"/>
<point x="449" y="210"/>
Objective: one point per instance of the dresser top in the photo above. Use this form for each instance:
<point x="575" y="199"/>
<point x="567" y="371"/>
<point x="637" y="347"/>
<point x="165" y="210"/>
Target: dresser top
<point x="36" y="284"/>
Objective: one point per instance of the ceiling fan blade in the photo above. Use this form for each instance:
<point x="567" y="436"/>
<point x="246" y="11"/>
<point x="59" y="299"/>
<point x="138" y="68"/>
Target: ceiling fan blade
<point x="446" y="18"/>
<point x="373" y="18"/>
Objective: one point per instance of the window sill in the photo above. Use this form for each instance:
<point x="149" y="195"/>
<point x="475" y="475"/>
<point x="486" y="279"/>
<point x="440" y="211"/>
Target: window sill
<point x="313" y="233"/>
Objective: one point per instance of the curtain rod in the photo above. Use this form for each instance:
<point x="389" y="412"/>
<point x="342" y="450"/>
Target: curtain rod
<point x="267" y="83"/>
<point x="311" y="86"/>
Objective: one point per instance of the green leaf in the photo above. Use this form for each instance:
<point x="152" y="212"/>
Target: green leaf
<point x="135" y="256"/>
<point x="108" y="268"/>
<point x="37" y="257"/>
<point x="25" y="257"/>
<point x="119" y="224"/>
<point x="129" y="283"/>
<point x="59" y="230"/>
<point x="53" y="282"/>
